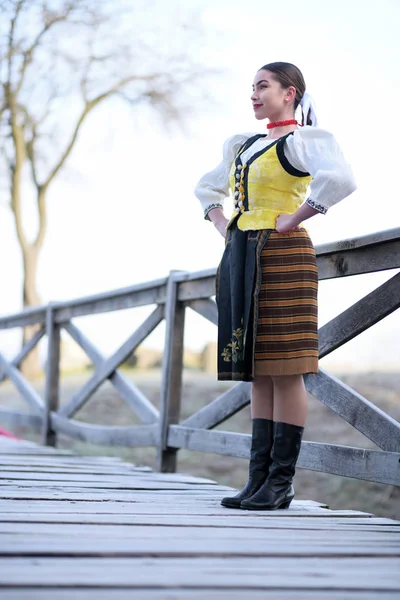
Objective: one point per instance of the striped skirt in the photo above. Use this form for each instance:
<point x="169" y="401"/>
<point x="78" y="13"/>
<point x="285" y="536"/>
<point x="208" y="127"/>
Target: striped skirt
<point x="286" y="341"/>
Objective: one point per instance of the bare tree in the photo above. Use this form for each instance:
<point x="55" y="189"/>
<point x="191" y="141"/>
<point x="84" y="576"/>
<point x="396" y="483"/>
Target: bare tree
<point x="61" y="59"/>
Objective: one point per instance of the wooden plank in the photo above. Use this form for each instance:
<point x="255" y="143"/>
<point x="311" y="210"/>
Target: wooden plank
<point x="144" y="409"/>
<point x="52" y="391"/>
<point x="364" y="416"/>
<point x="18" y="418"/>
<point x="28" y="316"/>
<point x="220" y="409"/>
<point x="337" y="520"/>
<point x="358" y="463"/>
<point x="295" y="573"/>
<point x="171" y="382"/>
<point x="25" y="389"/>
<point x="206" y="308"/>
<point x="138" y="506"/>
<point x="111" y="364"/>
<point x="134" y="476"/>
<point x="370" y="239"/>
<point x="23" y="353"/>
<point x="142" y="294"/>
<point x="135" y="436"/>
<point x="44" y="532"/>
<point x="358" y="261"/>
<point x="174" y="593"/>
<point x="360" y="316"/>
<point x="11" y="545"/>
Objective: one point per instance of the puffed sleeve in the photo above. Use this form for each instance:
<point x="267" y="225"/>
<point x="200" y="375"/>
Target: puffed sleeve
<point x="213" y="187"/>
<point x="316" y="151"/>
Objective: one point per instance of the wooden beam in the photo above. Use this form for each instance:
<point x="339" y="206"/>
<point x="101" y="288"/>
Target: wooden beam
<point x="23" y="353"/>
<point x="357" y="463"/>
<point x="141" y="435"/>
<point x="150" y="292"/>
<point x="364" y="416"/>
<point x="360" y="316"/>
<point x="206" y="308"/>
<point x="359" y="260"/>
<point x="171" y="384"/>
<point x="111" y="364"/>
<point x="17" y="418"/>
<point x="137" y="401"/>
<point x="28" y="316"/>
<point x="52" y="389"/>
<point x="220" y="409"/>
<point x="25" y="389"/>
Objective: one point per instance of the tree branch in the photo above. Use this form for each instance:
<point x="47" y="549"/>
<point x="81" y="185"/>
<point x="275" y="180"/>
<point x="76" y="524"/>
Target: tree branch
<point x="89" y="106"/>
<point x="51" y="21"/>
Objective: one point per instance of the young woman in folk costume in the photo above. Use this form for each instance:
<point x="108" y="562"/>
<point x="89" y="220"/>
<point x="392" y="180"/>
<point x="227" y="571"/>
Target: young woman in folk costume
<point x="267" y="280"/>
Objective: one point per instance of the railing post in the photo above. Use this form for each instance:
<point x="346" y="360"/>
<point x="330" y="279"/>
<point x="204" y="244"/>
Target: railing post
<point x="49" y="436"/>
<point x="171" y="384"/>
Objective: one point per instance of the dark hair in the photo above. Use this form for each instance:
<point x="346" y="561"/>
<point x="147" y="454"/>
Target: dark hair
<point x="287" y="75"/>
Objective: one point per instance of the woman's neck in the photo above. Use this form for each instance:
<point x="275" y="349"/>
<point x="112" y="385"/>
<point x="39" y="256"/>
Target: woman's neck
<point x="277" y="132"/>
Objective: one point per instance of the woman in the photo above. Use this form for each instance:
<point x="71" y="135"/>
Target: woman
<point x="267" y="280"/>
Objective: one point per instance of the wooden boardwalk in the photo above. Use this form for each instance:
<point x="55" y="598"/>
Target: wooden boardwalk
<point x="74" y="527"/>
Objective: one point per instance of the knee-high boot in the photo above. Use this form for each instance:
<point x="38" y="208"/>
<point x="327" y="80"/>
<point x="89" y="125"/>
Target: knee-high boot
<point x="260" y="461"/>
<point x="277" y="491"/>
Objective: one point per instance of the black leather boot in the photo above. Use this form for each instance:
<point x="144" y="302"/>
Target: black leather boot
<point x="260" y="461"/>
<point x="277" y="491"/>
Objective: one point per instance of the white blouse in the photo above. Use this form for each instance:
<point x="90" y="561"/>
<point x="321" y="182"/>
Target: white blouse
<point x="310" y="150"/>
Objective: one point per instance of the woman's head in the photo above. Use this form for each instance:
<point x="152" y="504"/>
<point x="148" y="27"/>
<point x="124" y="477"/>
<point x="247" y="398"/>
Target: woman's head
<point x="278" y="88"/>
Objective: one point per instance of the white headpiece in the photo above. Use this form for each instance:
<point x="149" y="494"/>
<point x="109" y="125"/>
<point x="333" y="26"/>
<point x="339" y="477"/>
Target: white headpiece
<point x="308" y="109"/>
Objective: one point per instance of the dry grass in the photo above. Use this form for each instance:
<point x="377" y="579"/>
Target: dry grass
<point x="106" y="407"/>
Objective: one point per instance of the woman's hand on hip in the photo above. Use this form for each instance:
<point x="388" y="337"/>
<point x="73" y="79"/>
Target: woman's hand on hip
<point x="285" y="223"/>
<point x="220" y="221"/>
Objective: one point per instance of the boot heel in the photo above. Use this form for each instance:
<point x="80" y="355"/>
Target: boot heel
<point x="285" y="504"/>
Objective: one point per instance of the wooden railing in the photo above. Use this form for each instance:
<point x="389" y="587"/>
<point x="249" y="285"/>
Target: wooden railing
<point x="163" y="429"/>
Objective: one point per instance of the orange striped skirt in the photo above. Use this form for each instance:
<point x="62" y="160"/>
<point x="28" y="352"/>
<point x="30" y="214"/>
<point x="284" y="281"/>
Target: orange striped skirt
<point x="287" y="325"/>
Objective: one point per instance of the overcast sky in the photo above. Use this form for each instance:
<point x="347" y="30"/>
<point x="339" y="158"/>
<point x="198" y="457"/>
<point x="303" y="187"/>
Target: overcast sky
<point x="127" y="184"/>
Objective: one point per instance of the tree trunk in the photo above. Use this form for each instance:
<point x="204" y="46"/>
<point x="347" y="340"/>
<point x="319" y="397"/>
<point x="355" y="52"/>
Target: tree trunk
<point x="31" y="365"/>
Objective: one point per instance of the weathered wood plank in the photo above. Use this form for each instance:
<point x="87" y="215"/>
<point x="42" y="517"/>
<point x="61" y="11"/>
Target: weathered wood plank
<point x="34" y="532"/>
<point x="26" y="390"/>
<point x="23" y="353"/>
<point x="171" y="383"/>
<point x="142" y="294"/>
<point x="358" y="261"/>
<point x="175" y="593"/>
<point x="294" y="573"/>
<point x="337" y="520"/>
<point x="52" y="391"/>
<point x="363" y="241"/>
<point x="28" y="316"/>
<point x="360" y="316"/>
<point x="364" y="416"/>
<point x="173" y="546"/>
<point x="138" y="435"/>
<point x="111" y="364"/>
<point x="206" y="308"/>
<point x="358" y="463"/>
<point x="17" y="418"/>
<point x="144" y="409"/>
<point x="220" y="409"/>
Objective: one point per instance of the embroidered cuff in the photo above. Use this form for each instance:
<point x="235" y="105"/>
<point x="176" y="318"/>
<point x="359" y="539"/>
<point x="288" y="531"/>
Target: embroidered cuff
<point x="319" y="207"/>
<point x="207" y="210"/>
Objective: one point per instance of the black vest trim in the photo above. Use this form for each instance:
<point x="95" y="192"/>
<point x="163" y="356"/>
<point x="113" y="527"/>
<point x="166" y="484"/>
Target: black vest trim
<point x="284" y="161"/>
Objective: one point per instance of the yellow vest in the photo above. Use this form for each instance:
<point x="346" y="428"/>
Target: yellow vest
<point x="266" y="186"/>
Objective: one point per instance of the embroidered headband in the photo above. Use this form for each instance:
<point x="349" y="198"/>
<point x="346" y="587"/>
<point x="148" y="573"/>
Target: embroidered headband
<point x="308" y="110"/>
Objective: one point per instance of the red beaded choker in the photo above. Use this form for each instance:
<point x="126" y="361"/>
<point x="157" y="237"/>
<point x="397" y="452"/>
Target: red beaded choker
<point x="282" y="123"/>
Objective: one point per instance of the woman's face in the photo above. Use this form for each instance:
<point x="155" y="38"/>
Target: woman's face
<point x="269" y="98"/>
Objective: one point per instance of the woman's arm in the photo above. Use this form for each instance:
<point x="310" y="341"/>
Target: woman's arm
<point x="286" y="223"/>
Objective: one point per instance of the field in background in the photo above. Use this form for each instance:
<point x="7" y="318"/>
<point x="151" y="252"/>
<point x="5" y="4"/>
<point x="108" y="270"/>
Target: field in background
<point x="106" y="407"/>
